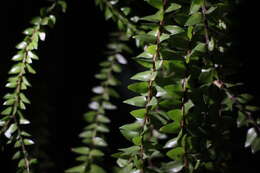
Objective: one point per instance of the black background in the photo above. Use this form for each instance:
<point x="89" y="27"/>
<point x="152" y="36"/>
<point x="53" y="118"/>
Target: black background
<point x="69" y="59"/>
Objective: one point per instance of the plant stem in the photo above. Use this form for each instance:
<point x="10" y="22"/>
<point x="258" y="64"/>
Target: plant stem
<point x="155" y="57"/>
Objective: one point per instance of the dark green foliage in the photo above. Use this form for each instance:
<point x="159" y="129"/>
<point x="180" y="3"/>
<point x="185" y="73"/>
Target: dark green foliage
<point x="185" y="108"/>
<point x="183" y="91"/>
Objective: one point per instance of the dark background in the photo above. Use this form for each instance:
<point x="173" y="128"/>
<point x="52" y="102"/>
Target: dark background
<point x="69" y="59"/>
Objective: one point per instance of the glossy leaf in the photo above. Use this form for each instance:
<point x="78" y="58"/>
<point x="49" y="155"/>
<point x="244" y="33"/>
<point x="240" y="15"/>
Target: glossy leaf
<point x="81" y="150"/>
<point x="139" y="101"/>
<point x="99" y="142"/>
<point x="140" y="87"/>
<point x="139" y="113"/>
<point x="157" y="17"/>
<point x="171" y="128"/>
<point x="173" y="7"/>
<point x="194" y="19"/>
<point x="155" y="3"/>
<point x="173" y="29"/>
<point x="176" y="153"/>
<point x="250" y="137"/>
<point x="196" y="5"/>
<point x="144" y="76"/>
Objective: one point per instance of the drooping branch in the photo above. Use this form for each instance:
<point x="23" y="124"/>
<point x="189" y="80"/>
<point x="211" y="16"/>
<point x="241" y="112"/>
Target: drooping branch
<point x="93" y="135"/>
<point x="13" y="121"/>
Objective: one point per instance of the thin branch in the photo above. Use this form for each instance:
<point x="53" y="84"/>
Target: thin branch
<point x="122" y="17"/>
<point x="150" y="82"/>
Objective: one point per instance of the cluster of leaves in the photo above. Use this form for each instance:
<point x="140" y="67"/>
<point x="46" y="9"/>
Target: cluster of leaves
<point x="120" y="16"/>
<point x="187" y="104"/>
<point x="93" y="136"/>
<point x="13" y="120"/>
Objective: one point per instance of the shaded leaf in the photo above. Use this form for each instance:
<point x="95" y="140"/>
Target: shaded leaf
<point x="172" y="7"/>
<point x="194" y="19"/>
<point x="173" y="29"/>
<point x="196" y="5"/>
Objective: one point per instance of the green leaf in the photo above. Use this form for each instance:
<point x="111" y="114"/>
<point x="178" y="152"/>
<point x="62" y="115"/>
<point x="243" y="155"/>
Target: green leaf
<point x="151" y="49"/>
<point x="102" y="128"/>
<point x="130" y="150"/>
<point x="173" y="167"/>
<point x="255" y="146"/>
<point x="30" y="69"/>
<point x="96" y="169"/>
<point x="108" y="13"/>
<point x="176" y="153"/>
<point x="250" y="137"/>
<point x="89" y="116"/>
<point x="171" y="128"/>
<point x="173" y="7"/>
<point x="98" y="141"/>
<point x="96" y="153"/>
<point x="175" y="115"/>
<point x="145" y="76"/>
<point x="190" y="32"/>
<point x="194" y="19"/>
<point x="157" y="17"/>
<point x="16" y="69"/>
<point x="137" y="140"/>
<point x="86" y="134"/>
<point x="7" y="111"/>
<point x="125" y="10"/>
<point x="63" y="5"/>
<point x="139" y="113"/>
<point x="45" y="21"/>
<point x="36" y="21"/>
<point x="76" y="169"/>
<point x="211" y="9"/>
<point x="17" y="155"/>
<point x="18" y="57"/>
<point x="146" y="55"/>
<point x="129" y="131"/>
<point x="155" y="3"/>
<point x="164" y="37"/>
<point x="196" y="5"/>
<point x="21" y="45"/>
<point x="81" y="150"/>
<point x="21" y="163"/>
<point x="200" y="47"/>
<point x="122" y="162"/>
<point x="28" y="142"/>
<point x="24" y="121"/>
<point x="23" y="133"/>
<point x="28" y="31"/>
<point x="244" y="98"/>
<point x="173" y="29"/>
<point x="145" y="38"/>
<point x="52" y="19"/>
<point x="207" y="75"/>
<point x="140" y="87"/>
<point x="252" y="108"/>
<point x="103" y="119"/>
<point x="171" y="143"/>
<point x="42" y="36"/>
<point x="188" y="105"/>
<point x="12" y="128"/>
<point x="24" y="98"/>
<point x="139" y="101"/>
<point x="152" y="102"/>
<point x="241" y="119"/>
